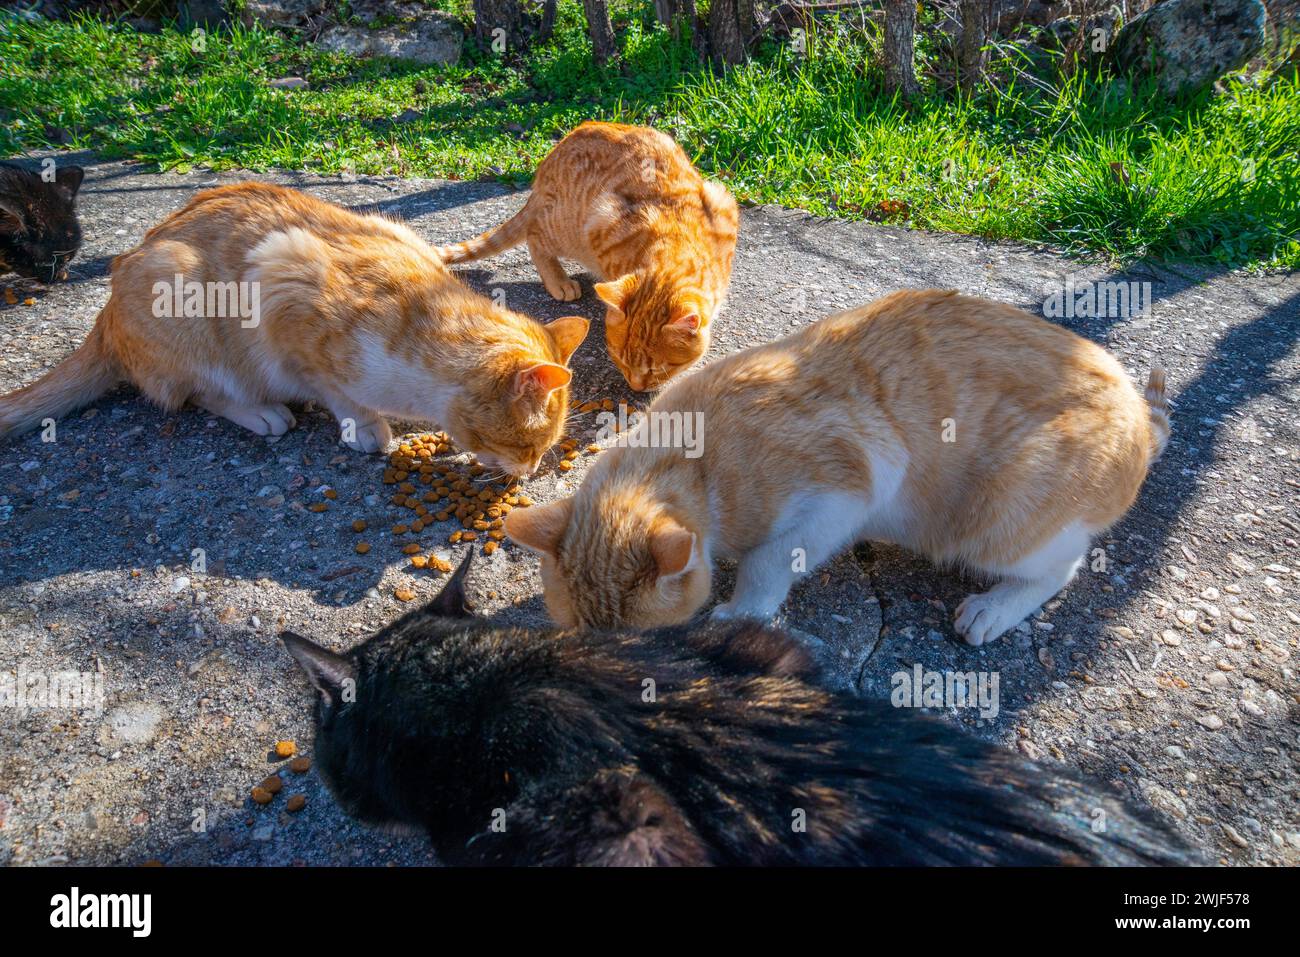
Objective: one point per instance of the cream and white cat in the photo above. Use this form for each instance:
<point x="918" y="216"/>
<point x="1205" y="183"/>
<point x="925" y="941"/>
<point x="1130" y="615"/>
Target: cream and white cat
<point x="969" y="431"/>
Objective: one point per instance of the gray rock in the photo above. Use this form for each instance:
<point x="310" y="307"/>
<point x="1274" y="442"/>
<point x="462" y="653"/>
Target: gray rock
<point x="1062" y="31"/>
<point x="282" y="13"/>
<point x="1162" y="799"/>
<point x="203" y="13"/>
<point x="1188" y="43"/>
<point x="433" y="38"/>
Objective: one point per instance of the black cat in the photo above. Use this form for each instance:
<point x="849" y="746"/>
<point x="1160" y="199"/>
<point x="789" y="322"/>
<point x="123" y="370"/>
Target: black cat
<point x="703" y="745"/>
<point x="39" y="232"/>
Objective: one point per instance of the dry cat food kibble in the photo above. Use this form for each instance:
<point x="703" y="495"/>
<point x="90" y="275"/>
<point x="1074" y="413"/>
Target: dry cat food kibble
<point x="273" y="784"/>
<point x="452" y="492"/>
<point x="262" y="796"/>
<point x="403" y="593"/>
<point x="300" y="764"/>
<point x="285" y="749"/>
<point x="295" y="803"/>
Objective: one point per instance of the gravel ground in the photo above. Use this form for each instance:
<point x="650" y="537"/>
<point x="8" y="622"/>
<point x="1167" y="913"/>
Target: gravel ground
<point x="1168" y="669"/>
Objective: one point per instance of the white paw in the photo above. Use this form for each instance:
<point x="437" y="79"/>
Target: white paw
<point x="983" y="618"/>
<point x="723" y="612"/>
<point x="266" y="419"/>
<point x="566" y="290"/>
<point x="729" y="611"/>
<point x="370" y="437"/>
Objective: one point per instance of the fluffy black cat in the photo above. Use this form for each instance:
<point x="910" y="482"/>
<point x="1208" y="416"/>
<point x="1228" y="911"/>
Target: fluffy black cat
<point x="39" y="232"/>
<point x="690" y="745"/>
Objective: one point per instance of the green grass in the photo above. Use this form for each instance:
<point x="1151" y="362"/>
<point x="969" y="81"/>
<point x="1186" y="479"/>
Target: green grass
<point x="1090" y="163"/>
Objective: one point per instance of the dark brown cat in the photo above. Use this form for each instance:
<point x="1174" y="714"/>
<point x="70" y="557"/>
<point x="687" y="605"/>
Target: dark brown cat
<point x="691" y="745"/>
<point x="39" y="232"/>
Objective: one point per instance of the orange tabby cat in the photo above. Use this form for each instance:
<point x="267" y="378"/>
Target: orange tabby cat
<point x="298" y="299"/>
<point x="626" y="203"/>
<point x="969" y="431"/>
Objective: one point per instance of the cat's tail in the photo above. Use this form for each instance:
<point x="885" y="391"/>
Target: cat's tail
<point x="496" y="240"/>
<point x="935" y="795"/>
<point x="1159" y="406"/>
<point x="80" y="378"/>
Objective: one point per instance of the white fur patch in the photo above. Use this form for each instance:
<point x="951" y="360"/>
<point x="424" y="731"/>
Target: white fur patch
<point x="395" y="385"/>
<point x="888" y="516"/>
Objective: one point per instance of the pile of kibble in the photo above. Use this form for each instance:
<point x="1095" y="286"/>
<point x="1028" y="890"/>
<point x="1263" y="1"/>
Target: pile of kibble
<point x="430" y="491"/>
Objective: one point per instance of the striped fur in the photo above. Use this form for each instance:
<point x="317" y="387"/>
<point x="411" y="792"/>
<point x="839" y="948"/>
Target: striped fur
<point x="356" y="312"/>
<point x="626" y="203"/>
<point x="1160" y="408"/>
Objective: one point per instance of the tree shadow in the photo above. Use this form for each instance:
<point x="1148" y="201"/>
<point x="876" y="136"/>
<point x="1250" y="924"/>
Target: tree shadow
<point x="435" y="199"/>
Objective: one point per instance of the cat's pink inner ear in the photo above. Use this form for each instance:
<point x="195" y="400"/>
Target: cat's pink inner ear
<point x="687" y="322"/>
<point x="567" y="333"/>
<point x="615" y="292"/>
<point x="673" y="548"/>
<point x="540" y="527"/>
<point x="542" y="379"/>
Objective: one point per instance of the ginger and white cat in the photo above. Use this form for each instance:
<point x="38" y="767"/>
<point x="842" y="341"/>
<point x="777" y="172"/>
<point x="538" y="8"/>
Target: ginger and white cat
<point x="626" y="203"/>
<point x="969" y="431"/>
<point x="356" y="312"/>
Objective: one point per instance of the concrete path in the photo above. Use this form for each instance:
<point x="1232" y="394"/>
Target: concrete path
<point x="1169" y="669"/>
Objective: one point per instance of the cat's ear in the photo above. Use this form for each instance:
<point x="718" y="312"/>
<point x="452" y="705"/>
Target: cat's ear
<point x="673" y="548"/>
<point x="687" y="325"/>
<point x="615" y="292"/>
<point x="451" y="602"/>
<point x="540" y="527"/>
<point x="567" y="333"/>
<point x="328" y="671"/>
<point x="538" y="381"/>
<point x="68" y="178"/>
